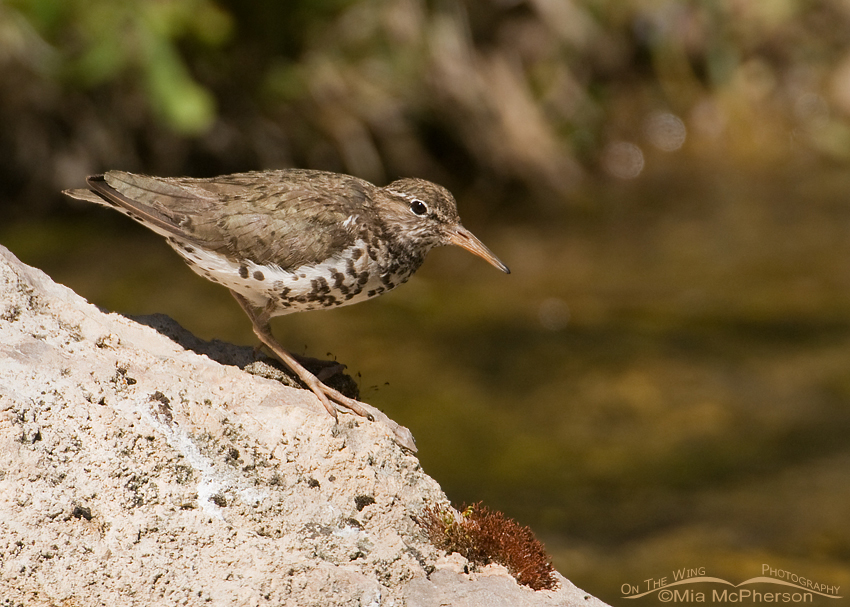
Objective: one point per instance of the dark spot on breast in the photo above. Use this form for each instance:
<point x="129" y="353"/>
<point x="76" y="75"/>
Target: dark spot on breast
<point x="259" y="275"/>
<point x="363" y="278"/>
<point x="284" y="292"/>
<point x="339" y="278"/>
<point x="373" y="253"/>
<point x="320" y="286"/>
<point x="243" y="271"/>
<point x="356" y="253"/>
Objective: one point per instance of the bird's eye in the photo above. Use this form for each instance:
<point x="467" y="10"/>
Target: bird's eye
<point x="418" y="207"/>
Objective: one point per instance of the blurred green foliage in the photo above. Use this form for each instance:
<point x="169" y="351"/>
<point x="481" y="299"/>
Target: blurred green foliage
<point x="479" y="94"/>
<point x="97" y="42"/>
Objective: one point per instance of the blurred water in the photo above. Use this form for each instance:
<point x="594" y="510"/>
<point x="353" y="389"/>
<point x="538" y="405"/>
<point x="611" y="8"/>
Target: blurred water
<point x="663" y="381"/>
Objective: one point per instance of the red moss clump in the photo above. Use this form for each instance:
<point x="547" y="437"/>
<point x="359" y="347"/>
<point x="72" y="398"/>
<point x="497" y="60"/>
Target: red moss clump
<point x="485" y="536"/>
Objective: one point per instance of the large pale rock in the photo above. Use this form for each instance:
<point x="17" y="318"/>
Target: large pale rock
<point x="138" y="472"/>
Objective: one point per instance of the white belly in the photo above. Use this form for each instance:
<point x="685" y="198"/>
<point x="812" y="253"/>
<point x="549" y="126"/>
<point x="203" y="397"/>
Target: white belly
<point x="350" y="277"/>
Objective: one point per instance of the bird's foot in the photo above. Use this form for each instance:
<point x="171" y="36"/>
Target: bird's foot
<point x="333" y="400"/>
<point x="330" y="398"/>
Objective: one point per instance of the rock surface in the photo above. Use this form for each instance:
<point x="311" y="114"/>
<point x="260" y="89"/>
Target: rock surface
<point x="138" y="472"/>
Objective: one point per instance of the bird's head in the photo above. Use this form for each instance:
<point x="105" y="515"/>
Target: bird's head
<point x="427" y="214"/>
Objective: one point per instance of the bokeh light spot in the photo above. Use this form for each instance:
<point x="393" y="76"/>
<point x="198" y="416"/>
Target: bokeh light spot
<point x="665" y="131"/>
<point x="623" y="160"/>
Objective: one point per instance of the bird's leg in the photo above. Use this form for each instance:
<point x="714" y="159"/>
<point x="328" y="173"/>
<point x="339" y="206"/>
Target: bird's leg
<point x="325" y="394"/>
<point x="327" y="368"/>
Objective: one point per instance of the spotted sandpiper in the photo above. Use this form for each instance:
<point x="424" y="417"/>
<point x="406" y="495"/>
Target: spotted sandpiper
<point x="293" y="240"/>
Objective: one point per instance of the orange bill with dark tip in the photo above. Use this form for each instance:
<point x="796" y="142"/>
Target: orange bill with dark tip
<point x="462" y="237"/>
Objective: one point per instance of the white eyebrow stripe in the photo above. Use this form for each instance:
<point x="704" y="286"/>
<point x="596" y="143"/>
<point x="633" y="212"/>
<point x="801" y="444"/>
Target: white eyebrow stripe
<point x="410" y="197"/>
